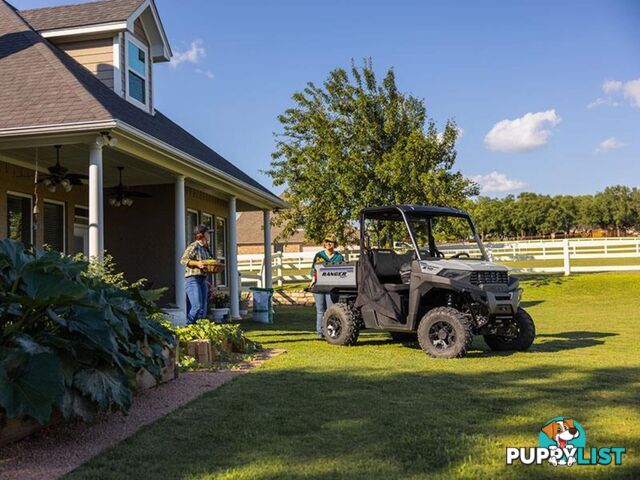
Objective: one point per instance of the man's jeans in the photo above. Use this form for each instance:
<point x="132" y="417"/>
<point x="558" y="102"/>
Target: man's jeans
<point x="323" y="301"/>
<point x="197" y="293"/>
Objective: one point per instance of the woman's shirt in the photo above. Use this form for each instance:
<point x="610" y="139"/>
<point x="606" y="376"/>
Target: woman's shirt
<point x="196" y="251"/>
<point x="323" y="257"/>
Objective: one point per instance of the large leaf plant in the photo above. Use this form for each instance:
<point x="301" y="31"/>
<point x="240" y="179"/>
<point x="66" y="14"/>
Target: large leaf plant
<point x="71" y="340"/>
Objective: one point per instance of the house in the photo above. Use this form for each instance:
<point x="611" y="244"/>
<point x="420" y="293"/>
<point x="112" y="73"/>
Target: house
<point x="77" y="109"/>
<point x="251" y="236"/>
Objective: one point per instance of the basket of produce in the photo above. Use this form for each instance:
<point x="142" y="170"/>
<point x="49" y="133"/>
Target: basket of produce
<point x="213" y="265"/>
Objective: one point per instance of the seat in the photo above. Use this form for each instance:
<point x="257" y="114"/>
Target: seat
<point x="387" y="264"/>
<point x="384" y="264"/>
<point x="396" y="287"/>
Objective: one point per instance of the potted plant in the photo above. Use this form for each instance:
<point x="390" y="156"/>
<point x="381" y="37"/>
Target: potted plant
<point x="219" y="301"/>
<point x="245" y="297"/>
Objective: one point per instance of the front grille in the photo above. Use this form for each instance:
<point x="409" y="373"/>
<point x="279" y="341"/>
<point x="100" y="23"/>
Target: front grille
<point x="486" y="277"/>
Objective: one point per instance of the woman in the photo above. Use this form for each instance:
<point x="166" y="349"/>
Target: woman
<point x="324" y="300"/>
<point x="195" y="275"/>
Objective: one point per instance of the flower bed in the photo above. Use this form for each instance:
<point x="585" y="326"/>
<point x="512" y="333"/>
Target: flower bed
<point x="207" y="345"/>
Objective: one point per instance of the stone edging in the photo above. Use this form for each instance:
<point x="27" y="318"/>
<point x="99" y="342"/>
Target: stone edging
<point x="60" y="449"/>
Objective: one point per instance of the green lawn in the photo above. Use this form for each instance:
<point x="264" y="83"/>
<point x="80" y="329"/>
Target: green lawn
<point x="580" y="262"/>
<point x="384" y="410"/>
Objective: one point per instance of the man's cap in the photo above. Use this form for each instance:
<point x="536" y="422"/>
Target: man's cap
<point x="201" y="229"/>
<point x="330" y="237"/>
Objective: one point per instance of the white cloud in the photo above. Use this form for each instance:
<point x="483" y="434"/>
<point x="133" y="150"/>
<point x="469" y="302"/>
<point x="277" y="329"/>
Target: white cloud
<point x="207" y="73"/>
<point x="497" y="182"/>
<point x="525" y="133"/>
<point x="616" y="91"/>
<point x="631" y="91"/>
<point x="610" y="86"/>
<point x="603" y="101"/>
<point x="610" y="143"/>
<point x="193" y="55"/>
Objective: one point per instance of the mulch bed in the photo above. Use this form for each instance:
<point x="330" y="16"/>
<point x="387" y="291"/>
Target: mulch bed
<point x="59" y="449"/>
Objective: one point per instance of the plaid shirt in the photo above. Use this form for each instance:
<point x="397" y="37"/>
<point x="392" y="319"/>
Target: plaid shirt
<point x="195" y="251"/>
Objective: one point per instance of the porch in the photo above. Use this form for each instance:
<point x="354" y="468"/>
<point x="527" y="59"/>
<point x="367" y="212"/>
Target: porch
<point x="145" y="226"/>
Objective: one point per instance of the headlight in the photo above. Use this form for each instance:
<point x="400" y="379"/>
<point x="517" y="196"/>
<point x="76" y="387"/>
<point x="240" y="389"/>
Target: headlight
<point x="453" y="274"/>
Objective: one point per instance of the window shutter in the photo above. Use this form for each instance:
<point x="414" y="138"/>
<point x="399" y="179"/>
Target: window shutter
<point x="53" y="226"/>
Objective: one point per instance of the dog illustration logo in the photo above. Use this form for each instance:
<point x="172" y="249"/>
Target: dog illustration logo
<point x="563" y="442"/>
<point x="564" y="434"/>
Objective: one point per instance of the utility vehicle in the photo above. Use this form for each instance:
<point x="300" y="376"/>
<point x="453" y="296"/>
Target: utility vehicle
<point x="423" y="271"/>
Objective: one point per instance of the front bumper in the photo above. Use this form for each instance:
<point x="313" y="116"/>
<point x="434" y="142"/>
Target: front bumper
<point x="500" y="304"/>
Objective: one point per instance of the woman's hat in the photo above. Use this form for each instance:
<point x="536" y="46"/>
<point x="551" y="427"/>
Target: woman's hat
<point x="331" y="238"/>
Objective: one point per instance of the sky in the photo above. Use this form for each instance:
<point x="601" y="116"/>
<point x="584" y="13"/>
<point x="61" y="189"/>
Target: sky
<point x="546" y="93"/>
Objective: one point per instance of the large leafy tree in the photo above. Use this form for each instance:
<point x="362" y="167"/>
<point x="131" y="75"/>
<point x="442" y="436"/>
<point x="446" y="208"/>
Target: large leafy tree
<point x="356" y="142"/>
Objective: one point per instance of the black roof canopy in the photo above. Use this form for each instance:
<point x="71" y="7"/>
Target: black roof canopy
<point x="395" y="212"/>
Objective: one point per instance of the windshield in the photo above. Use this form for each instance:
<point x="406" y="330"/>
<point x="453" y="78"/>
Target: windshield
<point x="446" y="237"/>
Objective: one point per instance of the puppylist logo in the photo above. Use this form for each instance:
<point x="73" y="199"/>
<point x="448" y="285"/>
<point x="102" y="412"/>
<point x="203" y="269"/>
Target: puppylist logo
<point x="563" y="442"/>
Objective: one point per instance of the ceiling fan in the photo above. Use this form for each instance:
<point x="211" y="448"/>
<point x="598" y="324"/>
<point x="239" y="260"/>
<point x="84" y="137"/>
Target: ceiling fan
<point x="59" y="175"/>
<point x="122" y="196"/>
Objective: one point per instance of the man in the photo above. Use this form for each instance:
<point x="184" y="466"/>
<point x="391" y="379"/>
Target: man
<point x="324" y="300"/>
<point x="195" y="274"/>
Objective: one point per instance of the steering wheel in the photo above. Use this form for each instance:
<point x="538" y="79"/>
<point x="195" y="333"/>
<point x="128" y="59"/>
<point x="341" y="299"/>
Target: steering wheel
<point x="460" y="254"/>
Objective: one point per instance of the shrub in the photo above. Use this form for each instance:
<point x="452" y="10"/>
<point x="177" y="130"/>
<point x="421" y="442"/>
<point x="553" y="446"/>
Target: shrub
<point x="70" y="339"/>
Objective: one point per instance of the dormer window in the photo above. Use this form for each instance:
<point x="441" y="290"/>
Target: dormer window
<point x="137" y="76"/>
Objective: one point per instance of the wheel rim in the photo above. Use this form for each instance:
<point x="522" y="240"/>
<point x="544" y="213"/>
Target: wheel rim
<point x="334" y="327"/>
<point x="513" y="332"/>
<point x="442" y="335"/>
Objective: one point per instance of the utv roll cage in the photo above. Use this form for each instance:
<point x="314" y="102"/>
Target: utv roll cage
<point x="405" y="213"/>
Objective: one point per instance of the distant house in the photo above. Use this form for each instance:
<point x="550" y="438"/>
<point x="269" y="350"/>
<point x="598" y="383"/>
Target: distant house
<point x="77" y="104"/>
<point x="251" y="236"/>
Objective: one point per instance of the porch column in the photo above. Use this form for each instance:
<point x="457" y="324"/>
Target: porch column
<point x="232" y="259"/>
<point x="267" y="280"/>
<point x="180" y="240"/>
<point x="96" y="213"/>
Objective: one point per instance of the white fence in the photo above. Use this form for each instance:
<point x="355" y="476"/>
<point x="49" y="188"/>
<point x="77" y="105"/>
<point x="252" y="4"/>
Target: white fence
<point x="296" y="267"/>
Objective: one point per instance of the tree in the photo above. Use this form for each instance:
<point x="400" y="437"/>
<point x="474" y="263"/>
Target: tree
<point x="616" y="203"/>
<point x="355" y="143"/>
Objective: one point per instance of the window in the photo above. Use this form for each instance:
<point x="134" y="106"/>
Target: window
<point x="54" y="225"/>
<point x="192" y="223"/>
<point x="221" y="249"/>
<point x="137" y="72"/>
<point x="207" y="221"/>
<point x="82" y="215"/>
<point x="80" y="241"/>
<point x="19" y="218"/>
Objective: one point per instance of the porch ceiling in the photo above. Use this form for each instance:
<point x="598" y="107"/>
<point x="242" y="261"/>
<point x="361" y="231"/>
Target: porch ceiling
<point x="75" y="157"/>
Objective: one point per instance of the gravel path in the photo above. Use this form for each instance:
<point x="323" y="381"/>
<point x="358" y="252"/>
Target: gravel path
<point x="58" y="450"/>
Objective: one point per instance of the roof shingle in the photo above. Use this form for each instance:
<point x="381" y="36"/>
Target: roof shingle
<point x="77" y="15"/>
<point x="251" y="231"/>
